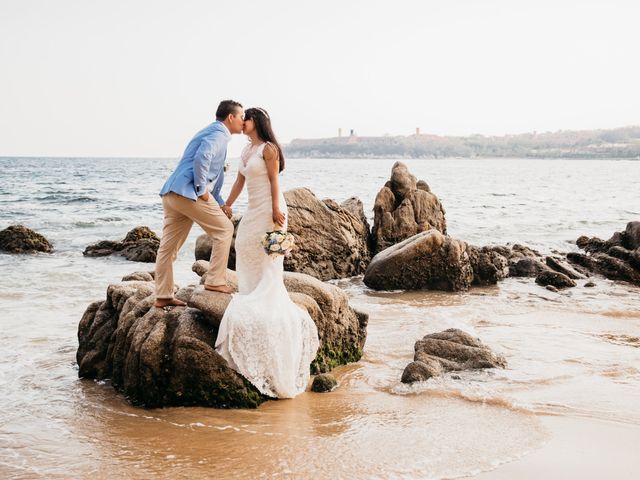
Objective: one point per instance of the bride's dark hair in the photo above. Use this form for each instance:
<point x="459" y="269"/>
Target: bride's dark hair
<point x="263" y="128"/>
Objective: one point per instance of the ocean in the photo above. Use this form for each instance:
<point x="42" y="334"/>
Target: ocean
<point x="573" y="376"/>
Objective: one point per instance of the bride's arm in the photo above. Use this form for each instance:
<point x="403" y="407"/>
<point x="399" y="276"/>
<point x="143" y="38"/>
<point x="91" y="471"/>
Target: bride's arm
<point x="272" y="161"/>
<point x="238" y="185"/>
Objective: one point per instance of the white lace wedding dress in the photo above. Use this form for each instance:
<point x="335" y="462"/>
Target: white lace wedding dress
<point x="263" y="335"/>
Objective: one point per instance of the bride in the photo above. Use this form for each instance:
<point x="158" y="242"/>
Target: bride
<point x="264" y="335"/>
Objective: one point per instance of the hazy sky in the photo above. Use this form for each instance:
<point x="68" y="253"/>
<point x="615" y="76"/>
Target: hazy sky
<point x="139" y="78"/>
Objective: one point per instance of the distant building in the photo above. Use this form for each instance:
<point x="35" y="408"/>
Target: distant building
<point x="417" y="131"/>
<point x="339" y="132"/>
<point x="352" y="133"/>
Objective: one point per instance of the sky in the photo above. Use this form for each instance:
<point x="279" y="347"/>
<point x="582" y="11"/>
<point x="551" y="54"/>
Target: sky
<point x="138" y="78"/>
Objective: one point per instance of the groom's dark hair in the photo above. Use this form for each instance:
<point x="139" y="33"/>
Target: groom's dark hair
<point x="226" y="108"/>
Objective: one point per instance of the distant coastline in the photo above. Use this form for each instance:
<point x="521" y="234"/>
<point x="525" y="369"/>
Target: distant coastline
<point x="622" y="143"/>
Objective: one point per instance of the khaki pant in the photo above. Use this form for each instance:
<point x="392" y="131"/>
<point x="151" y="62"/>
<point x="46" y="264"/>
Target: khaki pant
<point x="179" y="215"/>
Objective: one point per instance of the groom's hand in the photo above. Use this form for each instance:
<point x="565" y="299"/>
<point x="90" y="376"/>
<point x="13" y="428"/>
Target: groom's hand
<point x="227" y="211"/>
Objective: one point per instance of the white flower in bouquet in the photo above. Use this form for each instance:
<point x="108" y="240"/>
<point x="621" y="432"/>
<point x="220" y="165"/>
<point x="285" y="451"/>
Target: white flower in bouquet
<point x="278" y="243"/>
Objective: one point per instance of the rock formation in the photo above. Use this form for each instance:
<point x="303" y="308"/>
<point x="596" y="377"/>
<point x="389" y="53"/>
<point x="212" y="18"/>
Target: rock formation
<point x="160" y="357"/>
<point x="449" y="350"/>
<point x="616" y="259"/>
<point x="403" y="208"/>
<point x="332" y="240"/>
<point x="140" y="245"/>
<point x="428" y="260"/>
<point x="20" y="239"/>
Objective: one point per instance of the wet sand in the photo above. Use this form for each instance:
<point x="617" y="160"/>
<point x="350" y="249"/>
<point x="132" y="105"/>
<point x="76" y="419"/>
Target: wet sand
<point x="578" y="448"/>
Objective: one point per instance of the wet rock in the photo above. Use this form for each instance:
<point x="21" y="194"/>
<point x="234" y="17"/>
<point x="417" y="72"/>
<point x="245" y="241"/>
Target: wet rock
<point x="418" y="371"/>
<point x="140" y="245"/>
<point x="551" y="288"/>
<point x="522" y="251"/>
<point x="631" y="236"/>
<point x="616" y="259"/>
<point x="405" y="207"/>
<point x="428" y="260"/>
<point x="592" y="244"/>
<point x="160" y="357"/>
<point x="20" y="239"/>
<point x="564" y="268"/>
<point x="450" y="350"/>
<point x="488" y="264"/>
<point x="526" y="267"/>
<point x="324" y="383"/>
<point x="556" y="279"/>
<point x="589" y="284"/>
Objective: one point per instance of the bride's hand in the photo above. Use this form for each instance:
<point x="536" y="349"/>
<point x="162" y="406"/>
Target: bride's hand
<point x="278" y="217"/>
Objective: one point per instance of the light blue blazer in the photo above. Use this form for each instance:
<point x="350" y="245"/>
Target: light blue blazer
<point x="201" y="168"/>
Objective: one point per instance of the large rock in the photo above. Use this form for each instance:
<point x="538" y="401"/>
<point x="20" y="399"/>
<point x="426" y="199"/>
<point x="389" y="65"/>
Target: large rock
<point x="617" y="258"/>
<point x="160" y="357"/>
<point x="20" y="239"/>
<point x="332" y="240"/>
<point x="403" y="208"/>
<point x="140" y="245"/>
<point x="446" y="351"/>
<point x="428" y="260"/>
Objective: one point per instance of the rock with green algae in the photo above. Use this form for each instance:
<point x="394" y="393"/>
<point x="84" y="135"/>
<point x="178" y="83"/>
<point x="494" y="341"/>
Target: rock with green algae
<point x="163" y="357"/>
<point x="324" y="383"/>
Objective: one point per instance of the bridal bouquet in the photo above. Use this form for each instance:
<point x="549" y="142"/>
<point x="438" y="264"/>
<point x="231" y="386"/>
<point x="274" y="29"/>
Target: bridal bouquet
<point x="278" y="243"/>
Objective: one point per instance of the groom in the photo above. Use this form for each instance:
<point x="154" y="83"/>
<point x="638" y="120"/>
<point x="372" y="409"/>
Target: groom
<point x="192" y="194"/>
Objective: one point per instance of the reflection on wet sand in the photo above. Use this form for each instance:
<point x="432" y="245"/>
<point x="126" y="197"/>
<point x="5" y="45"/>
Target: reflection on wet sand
<point x="356" y="435"/>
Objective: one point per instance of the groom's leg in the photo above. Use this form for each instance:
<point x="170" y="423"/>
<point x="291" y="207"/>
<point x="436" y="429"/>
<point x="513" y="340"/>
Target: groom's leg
<point x="219" y="228"/>
<point x="174" y="233"/>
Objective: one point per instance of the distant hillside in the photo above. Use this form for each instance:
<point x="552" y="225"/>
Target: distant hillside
<point x="617" y="143"/>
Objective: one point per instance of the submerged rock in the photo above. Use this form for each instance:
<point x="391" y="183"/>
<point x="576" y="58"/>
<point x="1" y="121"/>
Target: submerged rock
<point x="564" y="268"/>
<point x="159" y="357"/>
<point x="140" y="245"/>
<point x="428" y="260"/>
<point x="20" y="239"/>
<point x="555" y="279"/>
<point x="324" y="383"/>
<point x="405" y="207"/>
<point x="447" y="351"/>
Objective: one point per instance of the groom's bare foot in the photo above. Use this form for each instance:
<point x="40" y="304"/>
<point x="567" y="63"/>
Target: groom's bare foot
<point x="168" y="302"/>
<point x="219" y="288"/>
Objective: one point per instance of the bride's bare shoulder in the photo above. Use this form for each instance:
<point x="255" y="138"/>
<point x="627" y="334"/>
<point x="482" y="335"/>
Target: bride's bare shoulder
<point x="270" y="151"/>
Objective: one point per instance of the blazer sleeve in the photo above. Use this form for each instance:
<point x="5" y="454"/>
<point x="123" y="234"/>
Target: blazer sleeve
<point x="207" y="151"/>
